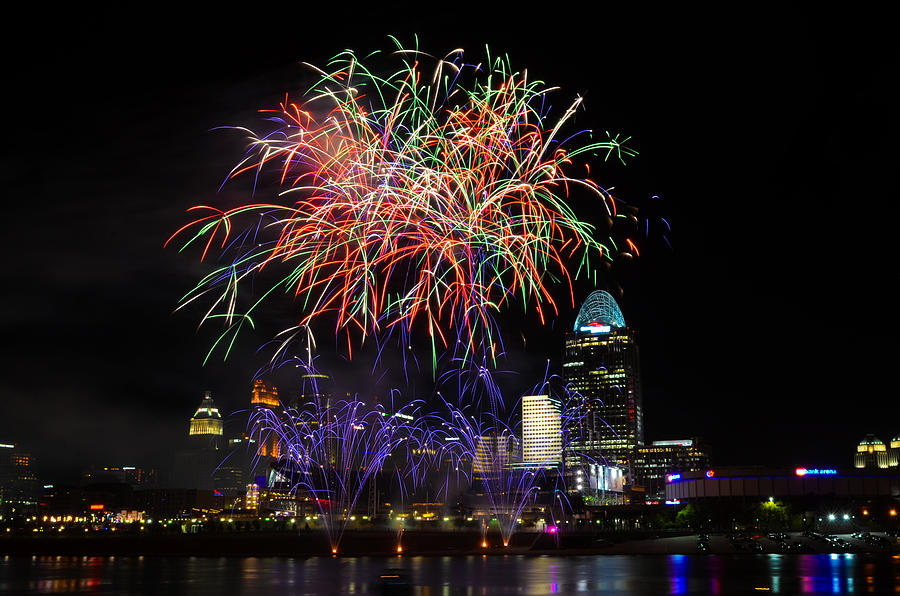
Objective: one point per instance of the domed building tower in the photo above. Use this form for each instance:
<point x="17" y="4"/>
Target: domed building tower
<point x="196" y="463"/>
<point x="871" y="453"/>
<point x="206" y="420"/>
<point x="206" y="424"/>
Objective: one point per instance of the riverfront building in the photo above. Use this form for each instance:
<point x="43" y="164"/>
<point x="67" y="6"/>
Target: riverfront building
<point x="541" y="431"/>
<point x="652" y="463"/>
<point x="601" y="363"/>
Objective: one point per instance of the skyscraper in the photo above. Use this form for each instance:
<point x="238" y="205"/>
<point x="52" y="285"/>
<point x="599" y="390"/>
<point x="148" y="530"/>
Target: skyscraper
<point x="541" y="431"/>
<point x="197" y="461"/>
<point x="264" y="396"/>
<point x="19" y="488"/>
<point x="601" y="363"/>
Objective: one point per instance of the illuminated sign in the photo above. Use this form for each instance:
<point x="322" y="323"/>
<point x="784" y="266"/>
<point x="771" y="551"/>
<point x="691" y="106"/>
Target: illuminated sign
<point x="7" y="446"/>
<point x="677" y="443"/>
<point x="710" y="473"/>
<point x="673" y="502"/>
<point x="595" y="328"/>
<point x="673" y="477"/>
<point x="96" y="507"/>
<point x="815" y="472"/>
<point x="48" y="486"/>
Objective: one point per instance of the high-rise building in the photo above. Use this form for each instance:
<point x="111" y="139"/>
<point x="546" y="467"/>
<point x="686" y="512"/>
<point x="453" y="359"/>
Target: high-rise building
<point x="541" y="431"/>
<point x="264" y="395"/>
<point x="601" y="363"/>
<point x="315" y="389"/>
<point x="231" y="474"/>
<point x="19" y="488"/>
<point x="196" y="463"/>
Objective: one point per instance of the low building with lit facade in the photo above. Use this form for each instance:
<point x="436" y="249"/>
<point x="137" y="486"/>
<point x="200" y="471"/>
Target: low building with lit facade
<point x="783" y="484"/>
<point x="601" y="363"/>
<point x="541" y="431"/>
<point x="652" y="463"/>
<point x="597" y="484"/>
<point x="873" y="453"/>
<point x="251" y="500"/>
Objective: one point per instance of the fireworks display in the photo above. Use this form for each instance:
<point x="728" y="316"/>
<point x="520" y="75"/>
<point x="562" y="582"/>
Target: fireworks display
<point x="332" y="452"/>
<point x="417" y="204"/>
<point x="427" y="199"/>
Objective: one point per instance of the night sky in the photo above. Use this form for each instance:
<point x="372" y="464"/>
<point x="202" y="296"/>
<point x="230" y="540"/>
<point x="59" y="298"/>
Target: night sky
<point x="770" y="137"/>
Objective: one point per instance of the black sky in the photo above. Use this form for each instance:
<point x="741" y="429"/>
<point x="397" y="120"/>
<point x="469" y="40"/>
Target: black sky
<point x="770" y="136"/>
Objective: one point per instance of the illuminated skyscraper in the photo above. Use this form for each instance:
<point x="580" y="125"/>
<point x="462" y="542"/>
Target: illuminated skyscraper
<point x="315" y="390"/>
<point x="196" y="462"/>
<point x="264" y="395"/>
<point x="541" y="431"/>
<point x="601" y="362"/>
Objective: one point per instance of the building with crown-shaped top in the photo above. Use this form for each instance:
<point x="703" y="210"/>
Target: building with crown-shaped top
<point x="601" y="363"/>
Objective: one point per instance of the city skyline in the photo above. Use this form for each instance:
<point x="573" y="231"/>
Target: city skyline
<point x="742" y="311"/>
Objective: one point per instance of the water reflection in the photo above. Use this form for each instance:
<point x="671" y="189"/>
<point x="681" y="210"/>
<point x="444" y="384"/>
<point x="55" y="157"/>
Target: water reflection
<point x="678" y="571"/>
<point x="446" y="576"/>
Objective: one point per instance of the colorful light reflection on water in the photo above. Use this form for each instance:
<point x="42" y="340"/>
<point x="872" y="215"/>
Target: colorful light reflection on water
<point x="624" y="574"/>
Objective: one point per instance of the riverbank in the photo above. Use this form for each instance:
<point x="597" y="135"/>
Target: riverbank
<point x="379" y="543"/>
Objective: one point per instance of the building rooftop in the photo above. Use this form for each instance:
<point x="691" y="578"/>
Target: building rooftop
<point x="207" y="408"/>
<point x="600" y="308"/>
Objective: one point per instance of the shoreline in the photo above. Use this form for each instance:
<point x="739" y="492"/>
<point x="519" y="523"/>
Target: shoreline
<point x="384" y="544"/>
